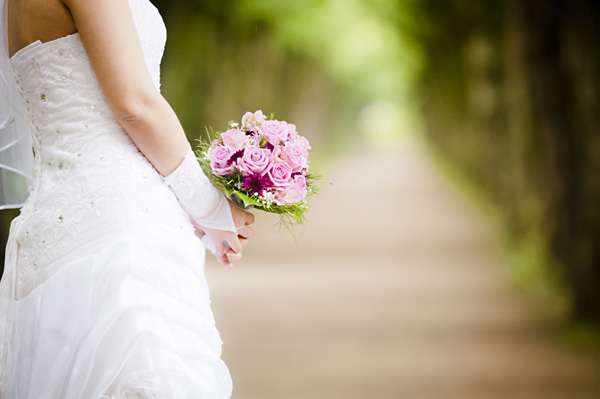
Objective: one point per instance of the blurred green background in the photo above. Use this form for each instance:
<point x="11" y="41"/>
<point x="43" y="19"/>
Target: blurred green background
<point x="504" y="95"/>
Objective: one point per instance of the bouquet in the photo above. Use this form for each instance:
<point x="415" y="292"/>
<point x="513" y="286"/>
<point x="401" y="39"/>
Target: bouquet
<point x="261" y="164"/>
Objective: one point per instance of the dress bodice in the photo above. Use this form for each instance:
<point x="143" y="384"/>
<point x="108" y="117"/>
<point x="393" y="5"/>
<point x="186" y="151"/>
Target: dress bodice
<point x="86" y="168"/>
<point x="58" y="87"/>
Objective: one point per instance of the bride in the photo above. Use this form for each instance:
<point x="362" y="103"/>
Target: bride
<point x="103" y="294"/>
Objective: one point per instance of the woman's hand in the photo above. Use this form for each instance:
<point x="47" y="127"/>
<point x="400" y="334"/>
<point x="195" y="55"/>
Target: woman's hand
<point x="241" y="218"/>
<point x="228" y="245"/>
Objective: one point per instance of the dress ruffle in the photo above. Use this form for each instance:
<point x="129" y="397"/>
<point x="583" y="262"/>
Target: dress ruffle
<point x="122" y="316"/>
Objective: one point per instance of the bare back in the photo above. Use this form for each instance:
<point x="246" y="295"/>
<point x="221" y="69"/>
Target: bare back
<point x="31" y="20"/>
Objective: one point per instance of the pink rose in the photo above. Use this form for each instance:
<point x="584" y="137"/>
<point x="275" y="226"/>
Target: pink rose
<point x="302" y="142"/>
<point x="255" y="161"/>
<point x="300" y="185"/>
<point x="277" y="154"/>
<point x="274" y="131"/>
<point x="295" y="155"/>
<point x="291" y="130"/>
<point x="220" y="156"/>
<point x="289" y="195"/>
<point x="281" y="175"/>
<point x="251" y="121"/>
<point x="234" y="139"/>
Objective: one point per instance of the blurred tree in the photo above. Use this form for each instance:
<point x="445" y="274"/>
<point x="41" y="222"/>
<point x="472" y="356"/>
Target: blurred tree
<point x="510" y="93"/>
<point x="223" y="60"/>
<point x="563" y="66"/>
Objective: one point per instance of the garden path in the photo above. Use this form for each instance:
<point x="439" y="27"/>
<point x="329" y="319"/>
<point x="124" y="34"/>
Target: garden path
<point x="396" y="289"/>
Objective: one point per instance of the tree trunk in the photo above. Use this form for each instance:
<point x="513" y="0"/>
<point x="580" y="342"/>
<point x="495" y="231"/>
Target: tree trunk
<point x="545" y="25"/>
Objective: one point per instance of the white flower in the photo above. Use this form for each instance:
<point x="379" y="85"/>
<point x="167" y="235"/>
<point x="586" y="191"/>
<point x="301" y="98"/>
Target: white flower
<point x="267" y="198"/>
<point x="208" y="155"/>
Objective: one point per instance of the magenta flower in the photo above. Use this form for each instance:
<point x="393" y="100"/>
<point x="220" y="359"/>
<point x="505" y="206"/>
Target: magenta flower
<point x="256" y="183"/>
<point x="234" y="157"/>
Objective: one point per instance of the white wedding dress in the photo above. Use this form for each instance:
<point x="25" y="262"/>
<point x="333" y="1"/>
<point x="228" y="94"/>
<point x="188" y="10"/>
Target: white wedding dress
<point x="104" y="294"/>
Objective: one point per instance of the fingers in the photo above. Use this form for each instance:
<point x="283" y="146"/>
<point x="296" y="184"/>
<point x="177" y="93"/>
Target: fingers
<point x="234" y="244"/>
<point x="249" y="217"/>
<point x="198" y="230"/>
<point x="229" y="250"/>
<point x="224" y="260"/>
<point x="246" y="232"/>
<point x="220" y="253"/>
<point x="234" y="256"/>
<point x="240" y="217"/>
<point x="228" y="245"/>
<point x="228" y="257"/>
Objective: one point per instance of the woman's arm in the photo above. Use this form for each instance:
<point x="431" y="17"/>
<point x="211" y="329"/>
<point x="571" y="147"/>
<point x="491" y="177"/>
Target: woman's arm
<point x="108" y="33"/>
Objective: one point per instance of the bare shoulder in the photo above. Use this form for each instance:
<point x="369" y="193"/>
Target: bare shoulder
<point x="31" y="20"/>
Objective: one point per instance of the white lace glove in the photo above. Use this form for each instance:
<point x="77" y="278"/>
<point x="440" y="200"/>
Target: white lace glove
<point x="206" y="205"/>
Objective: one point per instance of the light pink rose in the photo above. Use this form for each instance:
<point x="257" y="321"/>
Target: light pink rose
<point x="289" y="195"/>
<point x="274" y="131"/>
<point x="220" y="156"/>
<point x="234" y="139"/>
<point x="302" y="142"/>
<point x="255" y="160"/>
<point x="251" y="121"/>
<point x="295" y="155"/>
<point x="300" y="184"/>
<point x="277" y="154"/>
<point x="281" y="175"/>
<point x="291" y="130"/>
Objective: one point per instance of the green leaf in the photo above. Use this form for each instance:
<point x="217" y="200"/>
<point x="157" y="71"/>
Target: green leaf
<point x="245" y="199"/>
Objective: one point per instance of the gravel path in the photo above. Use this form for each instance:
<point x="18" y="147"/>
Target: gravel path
<point x="396" y="290"/>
